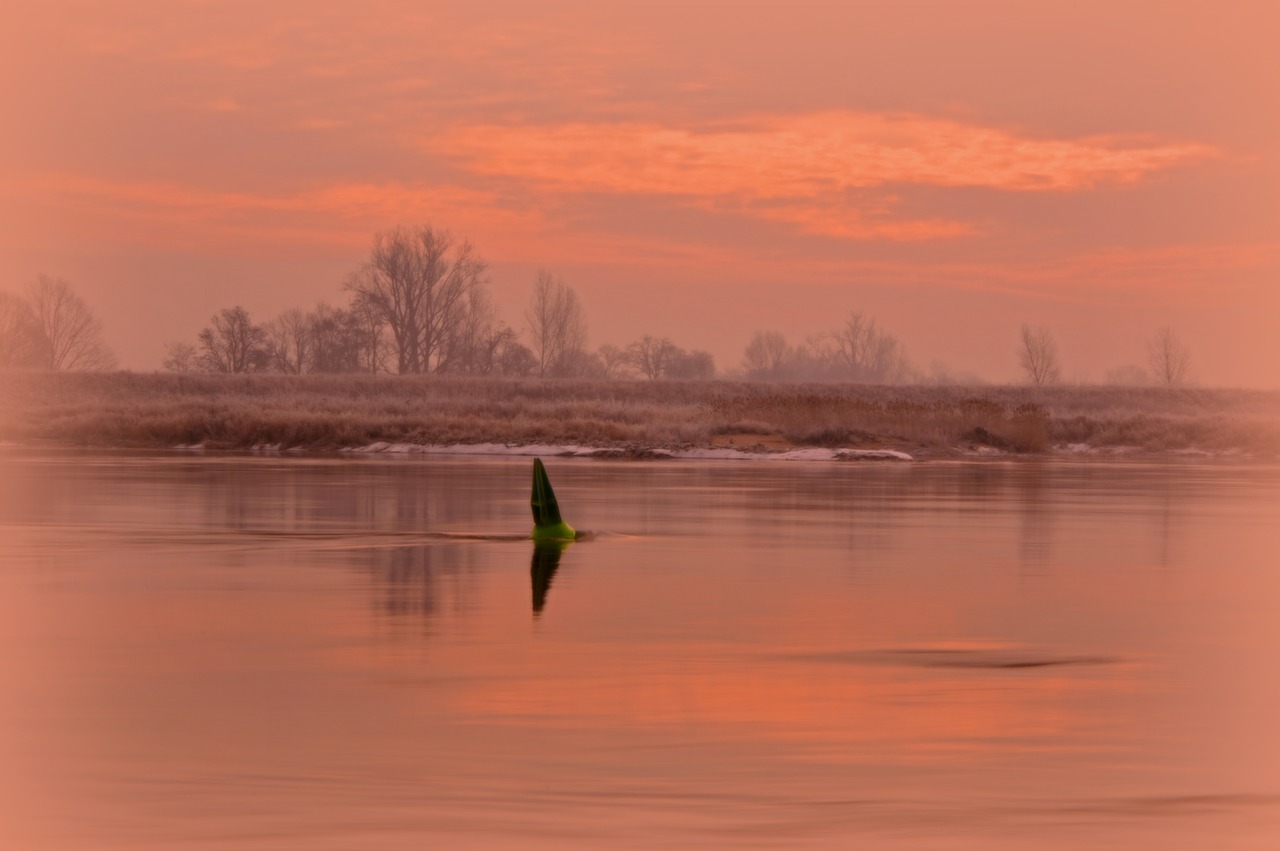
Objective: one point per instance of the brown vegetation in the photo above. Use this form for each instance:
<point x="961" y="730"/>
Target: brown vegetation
<point x="329" y="412"/>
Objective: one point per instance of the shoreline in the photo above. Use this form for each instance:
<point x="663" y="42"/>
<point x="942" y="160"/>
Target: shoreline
<point x="1070" y="454"/>
<point x="361" y="414"/>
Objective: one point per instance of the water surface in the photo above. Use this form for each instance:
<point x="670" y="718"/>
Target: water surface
<point x="270" y="653"/>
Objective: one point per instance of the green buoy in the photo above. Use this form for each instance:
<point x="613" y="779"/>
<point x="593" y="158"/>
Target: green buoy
<point x="547" y="525"/>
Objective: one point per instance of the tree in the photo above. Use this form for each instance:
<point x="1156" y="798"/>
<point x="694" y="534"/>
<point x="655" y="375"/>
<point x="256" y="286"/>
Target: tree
<point x="181" y="357"/>
<point x="652" y="356"/>
<point x="232" y="343"/>
<point x="476" y="339"/>
<point x="21" y="340"/>
<point x="1169" y="357"/>
<point x="334" y="340"/>
<point x="368" y="336"/>
<point x="287" y="342"/>
<point x="516" y="360"/>
<point x="416" y="281"/>
<point x="861" y="351"/>
<point x="71" y="335"/>
<point x="614" y="361"/>
<point x="1039" y="356"/>
<point x="765" y="356"/>
<point x="556" y="326"/>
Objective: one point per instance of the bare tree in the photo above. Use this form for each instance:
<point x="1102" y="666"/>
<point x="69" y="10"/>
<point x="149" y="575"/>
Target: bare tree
<point x="613" y="360"/>
<point x="21" y="340"/>
<point x="1169" y="357"/>
<point x="1038" y="356"/>
<point x="515" y="359"/>
<point x="72" y="336"/>
<point x="861" y="351"/>
<point x="181" y="357"/>
<point x="287" y="340"/>
<point x="652" y="356"/>
<point x="500" y="352"/>
<point x="232" y="343"/>
<point x="333" y="340"/>
<point x="766" y="355"/>
<point x="369" y="334"/>
<point x="476" y="339"/>
<point x="556" y="326"/>
<point x="416" y="281"/>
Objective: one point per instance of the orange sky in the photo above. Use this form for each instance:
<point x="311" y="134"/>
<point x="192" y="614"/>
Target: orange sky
<point x="697" y="169"/>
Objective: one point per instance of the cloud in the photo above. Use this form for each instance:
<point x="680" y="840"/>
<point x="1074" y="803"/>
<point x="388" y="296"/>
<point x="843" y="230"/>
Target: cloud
<point x="346" y="213"/>
<point x="805" y="169"/>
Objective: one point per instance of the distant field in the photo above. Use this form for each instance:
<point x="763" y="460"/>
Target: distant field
<point x="331" y="412"/>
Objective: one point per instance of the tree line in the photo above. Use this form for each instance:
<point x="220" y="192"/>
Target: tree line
<point x="420" y="305"/>
<point x="1168" y="357"/>
<point x="858" y="351"/>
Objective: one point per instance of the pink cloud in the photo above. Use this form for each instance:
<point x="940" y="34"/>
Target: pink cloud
<point x="168" y="213"/>
<point x="801" y="169"/>
<point x="803" y="155"/>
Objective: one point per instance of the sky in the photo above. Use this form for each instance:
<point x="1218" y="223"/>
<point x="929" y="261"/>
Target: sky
<point x="696" y="170"/>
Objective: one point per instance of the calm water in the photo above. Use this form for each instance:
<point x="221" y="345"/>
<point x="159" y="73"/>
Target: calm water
<point x="282" y="653"/>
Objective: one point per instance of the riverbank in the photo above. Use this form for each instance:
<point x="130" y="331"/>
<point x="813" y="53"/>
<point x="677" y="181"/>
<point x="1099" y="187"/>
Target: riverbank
<point x="637" y="418"/>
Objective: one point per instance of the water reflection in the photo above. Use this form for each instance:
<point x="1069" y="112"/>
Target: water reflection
<point x="335" y="653"/>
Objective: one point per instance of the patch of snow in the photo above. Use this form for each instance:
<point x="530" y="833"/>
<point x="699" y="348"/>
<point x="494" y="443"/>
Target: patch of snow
<point x="573" y="450"/>
<point x="1078" y="449"/>
<point x="1196" y="452"/>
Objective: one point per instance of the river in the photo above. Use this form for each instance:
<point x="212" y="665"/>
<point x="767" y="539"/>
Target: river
<point x="206" y="652"/>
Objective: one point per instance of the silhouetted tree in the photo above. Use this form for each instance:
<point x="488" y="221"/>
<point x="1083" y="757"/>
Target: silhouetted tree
<point x="651" y="356"/>
<point x="288" y="340"/>
<point x="476" y="340"/>
<point x="232" y="343"/>
<point x="556" y="327"/>
<point x="765" y="356"/>
<point x="370" y="336"/>
<point x="1169" y="357"/>
<point x="861" y="351"/>
<point x="417" y="281"/>
<point x="516" y="360"/>
<point x="71" y="335"/>
<point x="334" y="340"/>
<point x="614" y="361"/>
<point x="21" y="340"/>
<point x="181" y="357"/>
<point x="1038" y="356"/>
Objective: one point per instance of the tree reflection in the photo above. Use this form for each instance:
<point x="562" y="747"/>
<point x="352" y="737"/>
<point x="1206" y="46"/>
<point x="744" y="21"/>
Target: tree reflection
<point x="406" y="580"/>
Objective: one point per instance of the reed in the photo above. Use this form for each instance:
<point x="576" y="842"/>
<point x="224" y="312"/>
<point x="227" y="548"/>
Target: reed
<point x="323" y="412"/>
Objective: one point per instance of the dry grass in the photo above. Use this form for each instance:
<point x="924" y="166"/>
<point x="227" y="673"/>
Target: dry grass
<point x="329" y="412"/>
